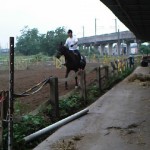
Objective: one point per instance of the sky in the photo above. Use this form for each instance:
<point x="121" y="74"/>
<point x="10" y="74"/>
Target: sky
<point x="47" y="15"/>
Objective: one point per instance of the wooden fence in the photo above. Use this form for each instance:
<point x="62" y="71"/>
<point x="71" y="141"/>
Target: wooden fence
<point x="102" y="74"/>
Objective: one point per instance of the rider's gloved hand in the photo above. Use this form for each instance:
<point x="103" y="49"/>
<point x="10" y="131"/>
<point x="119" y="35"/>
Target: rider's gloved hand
<point x="71" y="45"/>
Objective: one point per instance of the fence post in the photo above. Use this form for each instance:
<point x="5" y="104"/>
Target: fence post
<point x="1" y="119"/>
<point x="11" y="94"/>
<point x="83" y="86"/>
<point x="4" y="112"/>
<point x="54" y="98"/>
<point x="98" y="76"/>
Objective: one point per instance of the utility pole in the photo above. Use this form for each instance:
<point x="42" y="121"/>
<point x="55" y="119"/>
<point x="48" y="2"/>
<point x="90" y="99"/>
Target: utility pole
<point x="118" y="43"/>
<point x="95" y="26"/>
<point x="115" y="25"/>
<point x="118" y="36"/>
<point x="83" y="31"/>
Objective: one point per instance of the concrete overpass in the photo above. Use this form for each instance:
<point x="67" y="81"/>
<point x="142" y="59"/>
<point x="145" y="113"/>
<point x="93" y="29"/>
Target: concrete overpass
<point x="135" y="14"/>
<point x="99" y="41"/>
<point x="108" y="38"/>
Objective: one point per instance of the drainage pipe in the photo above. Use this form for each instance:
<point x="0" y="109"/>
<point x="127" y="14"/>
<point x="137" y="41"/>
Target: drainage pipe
<point x="55" y="125"/>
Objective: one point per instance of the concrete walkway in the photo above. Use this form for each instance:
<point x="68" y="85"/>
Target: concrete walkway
<point x="119" y="120"/>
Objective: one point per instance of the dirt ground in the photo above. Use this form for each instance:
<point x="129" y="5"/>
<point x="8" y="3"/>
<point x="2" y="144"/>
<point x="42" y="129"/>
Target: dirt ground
<point x="25" y="79"/>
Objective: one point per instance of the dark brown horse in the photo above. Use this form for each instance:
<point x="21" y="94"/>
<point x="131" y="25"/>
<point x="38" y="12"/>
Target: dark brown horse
<point x="73" y="62"/>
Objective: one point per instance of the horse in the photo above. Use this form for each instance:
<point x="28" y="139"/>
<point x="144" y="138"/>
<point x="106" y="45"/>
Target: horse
<point x="72" y="62"/>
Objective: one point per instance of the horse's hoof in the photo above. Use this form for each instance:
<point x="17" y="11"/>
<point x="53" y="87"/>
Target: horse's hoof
<point x="76" y="87"/>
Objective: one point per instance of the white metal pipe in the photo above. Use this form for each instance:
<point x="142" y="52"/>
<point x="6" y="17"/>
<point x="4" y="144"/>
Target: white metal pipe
<point x="55" y="125"/>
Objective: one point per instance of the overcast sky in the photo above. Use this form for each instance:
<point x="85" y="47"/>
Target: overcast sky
<point x="46" y="15"/>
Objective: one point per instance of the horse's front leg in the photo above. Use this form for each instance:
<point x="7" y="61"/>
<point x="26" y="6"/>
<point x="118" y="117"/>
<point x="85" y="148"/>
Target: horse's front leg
<point x="76" y="81"/>
<point x="66" y="84"/>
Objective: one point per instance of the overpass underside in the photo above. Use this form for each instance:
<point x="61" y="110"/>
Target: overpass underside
<point x="135" y="14"/>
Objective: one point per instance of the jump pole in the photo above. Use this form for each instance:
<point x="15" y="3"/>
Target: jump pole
<point x="11" y="93"/>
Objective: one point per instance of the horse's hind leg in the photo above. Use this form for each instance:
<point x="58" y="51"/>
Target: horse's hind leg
<point x="66" y="84"/>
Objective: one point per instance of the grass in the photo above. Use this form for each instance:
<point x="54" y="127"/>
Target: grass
<point x="21" y="61"/>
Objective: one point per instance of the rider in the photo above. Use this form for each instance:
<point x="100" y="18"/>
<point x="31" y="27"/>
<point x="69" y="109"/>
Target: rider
<point x="71" y="42"/>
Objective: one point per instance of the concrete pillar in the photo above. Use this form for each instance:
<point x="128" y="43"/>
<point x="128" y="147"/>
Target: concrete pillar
<point x="110" y="48"/>
<point x="91" y="46"/>
<point x="80" y="47"/>
<point x="128" y="49"/>
<point x="101" y="49"/>
<point x="118" y="43"/>
<point x="96" y="47"/>
<point x="138" y="45"/>
<point x="119" y="47"/>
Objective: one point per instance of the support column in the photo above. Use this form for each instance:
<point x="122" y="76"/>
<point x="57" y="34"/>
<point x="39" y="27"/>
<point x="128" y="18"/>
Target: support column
<point x="89" y="52"/>
<point x="128" y="49"/>
<point x="118" y="46"/>
<point x="118" y="43"/>
<point x="138" y="45"/>
<point x="101" y="49"/>
<point x="110" y="49"/>
<point x="96" y="47"/>
<point x="80" y="47"/>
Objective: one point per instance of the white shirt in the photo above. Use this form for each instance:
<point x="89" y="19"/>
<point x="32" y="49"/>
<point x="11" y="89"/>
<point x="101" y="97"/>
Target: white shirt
<point x="71" y="41"/>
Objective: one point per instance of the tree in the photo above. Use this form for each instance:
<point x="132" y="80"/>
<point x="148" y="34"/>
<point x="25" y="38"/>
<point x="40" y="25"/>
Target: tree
<point x="144" y="49"/>
<point x="29" y="42"/>
<point x="54" y="38"/>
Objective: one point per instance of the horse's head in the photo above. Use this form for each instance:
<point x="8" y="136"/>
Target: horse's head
<point x="61" y="50"/>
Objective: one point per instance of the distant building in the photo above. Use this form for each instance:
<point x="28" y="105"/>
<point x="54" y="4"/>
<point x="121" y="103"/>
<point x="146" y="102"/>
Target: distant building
<point x="4" y="51"/>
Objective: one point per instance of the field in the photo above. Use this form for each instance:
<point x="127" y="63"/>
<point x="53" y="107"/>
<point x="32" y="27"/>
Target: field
<point x="31" y="70"/>
<point x="35" y="73"/>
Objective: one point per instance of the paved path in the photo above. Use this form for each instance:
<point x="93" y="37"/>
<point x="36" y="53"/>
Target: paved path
<point x="119" y="120"/>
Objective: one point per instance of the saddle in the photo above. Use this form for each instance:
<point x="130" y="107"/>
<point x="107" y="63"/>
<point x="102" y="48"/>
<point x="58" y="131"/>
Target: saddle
<point x="75" y="53"/>
<point x="82" y="61"/>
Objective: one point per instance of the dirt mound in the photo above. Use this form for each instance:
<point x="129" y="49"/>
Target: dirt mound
<point x="139" y="76"/>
